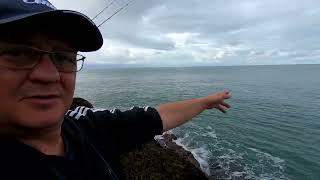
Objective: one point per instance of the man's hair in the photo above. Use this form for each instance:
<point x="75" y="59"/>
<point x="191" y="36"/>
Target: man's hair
<point x="77" y="101"/>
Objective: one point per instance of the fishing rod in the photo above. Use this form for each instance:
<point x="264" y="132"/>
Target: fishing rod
<point x="126" y="5"/>
<point x="108" y="5"/>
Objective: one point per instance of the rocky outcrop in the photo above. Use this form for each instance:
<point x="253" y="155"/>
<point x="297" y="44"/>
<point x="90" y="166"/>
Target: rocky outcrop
<point x="161" y="160"/>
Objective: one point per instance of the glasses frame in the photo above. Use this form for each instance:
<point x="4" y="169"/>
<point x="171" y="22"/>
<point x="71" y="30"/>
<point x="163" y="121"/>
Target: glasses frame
<point x="43" y="52"/>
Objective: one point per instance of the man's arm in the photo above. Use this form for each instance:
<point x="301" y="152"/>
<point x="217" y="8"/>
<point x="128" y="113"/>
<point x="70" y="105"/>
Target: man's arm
<point x="176" y="113"/>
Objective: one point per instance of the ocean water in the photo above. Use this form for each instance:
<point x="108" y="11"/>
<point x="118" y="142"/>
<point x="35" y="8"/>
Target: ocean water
<point x="272" y="130"/>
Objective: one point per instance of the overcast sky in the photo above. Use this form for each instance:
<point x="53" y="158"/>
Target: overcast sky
<point x="205" y="32"/>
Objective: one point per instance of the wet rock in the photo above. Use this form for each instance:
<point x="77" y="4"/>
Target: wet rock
<point x="161" y="160"/>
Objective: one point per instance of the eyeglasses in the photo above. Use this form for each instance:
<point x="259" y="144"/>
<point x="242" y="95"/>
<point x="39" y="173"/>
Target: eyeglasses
<point x="23" y="57"/>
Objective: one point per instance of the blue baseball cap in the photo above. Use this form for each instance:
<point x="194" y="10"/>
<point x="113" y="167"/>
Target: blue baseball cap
<point x="76" y="27"/>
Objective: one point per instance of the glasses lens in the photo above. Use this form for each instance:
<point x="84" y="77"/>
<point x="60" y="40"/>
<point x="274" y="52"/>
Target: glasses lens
<point x="65" y="61"/>
<point x="24" y="57"/>
<point x="18" y="57"/>
<point x="80" y="63"/>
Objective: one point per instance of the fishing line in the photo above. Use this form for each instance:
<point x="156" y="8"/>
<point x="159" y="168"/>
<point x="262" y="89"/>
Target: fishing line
<point x="126" y="5"/>
<point x="108" y="5"/>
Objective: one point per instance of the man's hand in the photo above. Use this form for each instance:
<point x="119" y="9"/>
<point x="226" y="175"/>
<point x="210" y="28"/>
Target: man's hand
<point x="216" y="100"/>
<point x="176" y="113"/>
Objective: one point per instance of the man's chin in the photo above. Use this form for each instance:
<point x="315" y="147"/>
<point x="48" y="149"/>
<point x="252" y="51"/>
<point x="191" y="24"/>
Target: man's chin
<point x="35" y="118"/>
<point x="40" y="122"/>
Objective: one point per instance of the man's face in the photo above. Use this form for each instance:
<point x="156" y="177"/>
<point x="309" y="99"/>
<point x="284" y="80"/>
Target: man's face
<point x="35" y="98"/>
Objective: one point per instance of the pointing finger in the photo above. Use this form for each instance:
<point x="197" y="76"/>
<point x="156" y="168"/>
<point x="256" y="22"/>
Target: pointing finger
<point x="225" y="104"/>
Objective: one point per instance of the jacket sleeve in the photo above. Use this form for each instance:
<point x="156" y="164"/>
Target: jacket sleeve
<point x="120" y="130"/>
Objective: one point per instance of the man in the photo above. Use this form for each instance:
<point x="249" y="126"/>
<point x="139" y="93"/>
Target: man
<point x="39" y="137"/>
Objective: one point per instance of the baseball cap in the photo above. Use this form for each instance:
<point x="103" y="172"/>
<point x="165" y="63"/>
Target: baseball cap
<point x="76" y="27"/>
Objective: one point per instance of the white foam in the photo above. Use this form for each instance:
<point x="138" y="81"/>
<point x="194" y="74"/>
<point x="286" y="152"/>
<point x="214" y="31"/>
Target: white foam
<point x="200" y="154"/>
<point x="211" y="134"/>
<point x="160" y="137"/>
<point x="237" y="174"/>
<point x="276" y="160"/>
<point x="247" y="164"/>
<point x="236" y="160"/>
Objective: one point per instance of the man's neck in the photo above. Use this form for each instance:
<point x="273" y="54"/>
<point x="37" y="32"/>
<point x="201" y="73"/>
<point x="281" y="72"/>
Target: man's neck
<point x="49" y="143"/>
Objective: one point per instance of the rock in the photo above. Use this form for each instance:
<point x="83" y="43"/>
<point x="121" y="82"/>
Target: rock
<point x="161" y="160"/>
<point x="167" y="143"/>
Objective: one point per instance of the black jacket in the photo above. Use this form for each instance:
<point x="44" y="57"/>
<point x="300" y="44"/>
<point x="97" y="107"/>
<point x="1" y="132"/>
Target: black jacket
<point x="94" y="141"/>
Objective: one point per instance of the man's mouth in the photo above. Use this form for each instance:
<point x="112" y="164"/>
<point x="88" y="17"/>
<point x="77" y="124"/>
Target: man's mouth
<point x="43" y="97"/>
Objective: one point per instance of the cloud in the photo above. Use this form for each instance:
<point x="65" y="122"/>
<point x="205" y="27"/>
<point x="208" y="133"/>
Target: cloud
<point x="225" y="32"/>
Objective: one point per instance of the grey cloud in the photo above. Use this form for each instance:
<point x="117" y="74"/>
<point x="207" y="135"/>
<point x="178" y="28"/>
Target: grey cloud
<point x="141" y="41"/>
<point x="247" y="31"/>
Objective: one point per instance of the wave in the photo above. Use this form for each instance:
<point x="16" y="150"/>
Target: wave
<point x="229" y="160"/>
<point x="200" y="154"/>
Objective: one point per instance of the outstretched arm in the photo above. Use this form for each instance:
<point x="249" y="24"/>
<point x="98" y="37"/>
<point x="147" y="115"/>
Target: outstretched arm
<point x="176" y="113"/>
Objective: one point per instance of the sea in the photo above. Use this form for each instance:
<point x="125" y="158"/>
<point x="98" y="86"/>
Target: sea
<point x="272" y="130"/>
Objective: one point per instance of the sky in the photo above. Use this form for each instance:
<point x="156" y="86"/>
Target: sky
<point x="169" y="33"/>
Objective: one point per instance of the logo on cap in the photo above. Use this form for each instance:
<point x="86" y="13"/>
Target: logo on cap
<point x="44" y="2"/>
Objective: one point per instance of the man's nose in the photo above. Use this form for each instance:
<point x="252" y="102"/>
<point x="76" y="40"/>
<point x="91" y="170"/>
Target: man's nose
<point x="45" y="71"/>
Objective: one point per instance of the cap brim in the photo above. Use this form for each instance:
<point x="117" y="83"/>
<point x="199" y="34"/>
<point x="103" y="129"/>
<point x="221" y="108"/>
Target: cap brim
<point x="73" y="26"/>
